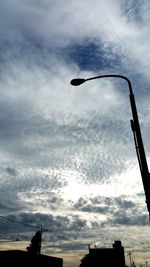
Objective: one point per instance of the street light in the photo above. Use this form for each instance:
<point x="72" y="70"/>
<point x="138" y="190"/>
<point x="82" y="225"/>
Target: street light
<point x="135" y="126"/>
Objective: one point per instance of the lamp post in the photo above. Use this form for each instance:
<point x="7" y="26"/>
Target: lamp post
<point x="135" y="126"/>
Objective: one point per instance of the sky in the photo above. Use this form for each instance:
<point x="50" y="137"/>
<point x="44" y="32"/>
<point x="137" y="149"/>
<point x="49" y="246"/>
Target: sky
<point x="67" y="155"/>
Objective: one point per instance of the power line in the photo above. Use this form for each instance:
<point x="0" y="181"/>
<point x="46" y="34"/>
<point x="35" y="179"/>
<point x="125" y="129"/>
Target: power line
<point x="15" y="221"/>
<point x="25" y="224"/>
<point x="10" y="241"/>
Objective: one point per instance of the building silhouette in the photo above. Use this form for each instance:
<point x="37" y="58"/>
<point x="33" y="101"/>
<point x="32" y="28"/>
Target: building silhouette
<point x="31" y="257"/>
<point x="105" y="257"/>
<point x="19" y="258"/>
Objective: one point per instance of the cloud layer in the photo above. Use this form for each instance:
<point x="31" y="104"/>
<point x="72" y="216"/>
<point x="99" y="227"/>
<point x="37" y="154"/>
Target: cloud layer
<point x="67" y="154"/>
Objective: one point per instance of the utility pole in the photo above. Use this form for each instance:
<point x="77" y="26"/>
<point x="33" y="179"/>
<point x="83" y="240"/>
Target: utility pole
<point x="130" y="258"/>
<point x="41" y="231"/>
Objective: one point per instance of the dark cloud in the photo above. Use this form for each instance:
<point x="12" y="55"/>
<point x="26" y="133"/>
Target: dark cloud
<point x="20" y="191"/>
<point x="9" y="200"/>
<point x="22" y="223"/>
<point x="132" y="10"/>
<point x="130" y="219"/>
<point x="105" y="205"/>
<point x="124" y="204"/>
<point x="11" y="171"/>
<point x="90" y="205"/>
<point x="118" y="211"/>
<point x="93" y="54"/>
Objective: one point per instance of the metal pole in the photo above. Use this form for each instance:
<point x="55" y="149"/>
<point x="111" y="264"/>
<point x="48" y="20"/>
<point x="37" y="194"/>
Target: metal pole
<point x="130" y="259"/>
<point x="140" y="151"/>
<point x="136" y="133"/>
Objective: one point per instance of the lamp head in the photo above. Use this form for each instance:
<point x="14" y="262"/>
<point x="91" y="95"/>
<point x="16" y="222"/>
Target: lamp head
<point x="77" y="81"/>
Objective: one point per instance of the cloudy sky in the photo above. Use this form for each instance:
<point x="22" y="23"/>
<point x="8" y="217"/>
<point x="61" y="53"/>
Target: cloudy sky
<point x="67" y="155"/>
